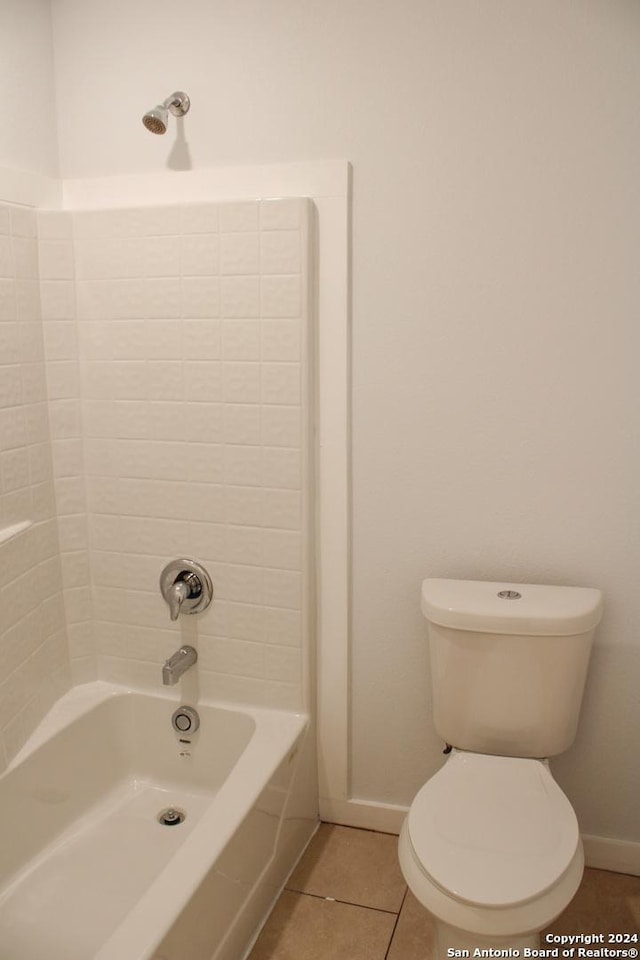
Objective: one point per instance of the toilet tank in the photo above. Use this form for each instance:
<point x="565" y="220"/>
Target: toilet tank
<point x="508" y="663"/>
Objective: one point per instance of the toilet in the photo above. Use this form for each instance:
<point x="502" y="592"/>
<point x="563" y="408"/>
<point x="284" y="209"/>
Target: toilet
<point x="491" y="845"/>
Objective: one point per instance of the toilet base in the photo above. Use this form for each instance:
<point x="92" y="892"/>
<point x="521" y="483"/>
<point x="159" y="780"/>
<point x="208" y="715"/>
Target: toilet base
<point x="449" y="939"/>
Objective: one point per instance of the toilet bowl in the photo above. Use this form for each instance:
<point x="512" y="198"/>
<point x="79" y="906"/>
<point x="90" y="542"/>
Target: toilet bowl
<point x="491" y="848"/>
<point x="491" y="845"/>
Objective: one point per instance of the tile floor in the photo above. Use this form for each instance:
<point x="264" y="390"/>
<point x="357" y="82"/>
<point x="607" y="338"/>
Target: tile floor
<point x="347" y="900"/>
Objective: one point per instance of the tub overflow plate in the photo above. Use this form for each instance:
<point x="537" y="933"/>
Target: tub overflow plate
<point x="185" y="720"/>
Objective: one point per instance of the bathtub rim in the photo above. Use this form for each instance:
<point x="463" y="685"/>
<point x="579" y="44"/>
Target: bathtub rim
<point x="82" y="698"/>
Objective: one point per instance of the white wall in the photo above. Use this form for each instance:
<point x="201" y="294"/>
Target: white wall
<point x="34" y="669"/>
<point x="28" y="140"/>
<point x="495" y="286"/>
<point x="33" y="641"/>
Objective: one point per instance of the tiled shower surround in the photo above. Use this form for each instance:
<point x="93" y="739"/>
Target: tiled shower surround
<point x="34" y="659"/>
<point x="178" y="353"/>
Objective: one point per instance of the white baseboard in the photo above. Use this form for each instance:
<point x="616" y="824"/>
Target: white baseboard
<point x="366" y="814"/>
<point x="603" y="853"/>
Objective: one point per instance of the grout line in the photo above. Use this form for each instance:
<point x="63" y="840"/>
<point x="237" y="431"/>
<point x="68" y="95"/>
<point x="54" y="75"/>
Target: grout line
<point x="395" y="926"/>
<point x="336" y="823"/>
<point x="349" y="903"/>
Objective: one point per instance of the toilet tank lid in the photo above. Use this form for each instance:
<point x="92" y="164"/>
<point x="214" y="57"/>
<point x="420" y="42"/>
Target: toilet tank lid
<point x="491" y="607"/>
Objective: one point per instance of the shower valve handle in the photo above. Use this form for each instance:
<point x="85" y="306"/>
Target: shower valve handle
<point x="176" y="596"/>
<point x="186" y="586"/>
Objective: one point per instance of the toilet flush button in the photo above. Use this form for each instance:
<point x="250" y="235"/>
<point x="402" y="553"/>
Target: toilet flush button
<point x="510" y="595"/>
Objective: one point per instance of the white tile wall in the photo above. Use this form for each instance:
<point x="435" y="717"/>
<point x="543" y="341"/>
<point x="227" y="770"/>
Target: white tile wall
<point x="58" y="271"/>
<point x="192" y="358"/>
<point x="155" y="391"/>
<point x="33" y="638"/>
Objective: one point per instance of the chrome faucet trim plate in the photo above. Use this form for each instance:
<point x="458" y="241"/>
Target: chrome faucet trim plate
<point x="186" y="586"/>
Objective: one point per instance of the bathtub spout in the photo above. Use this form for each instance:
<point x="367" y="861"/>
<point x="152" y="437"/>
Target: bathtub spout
<point x="176" y="665"/>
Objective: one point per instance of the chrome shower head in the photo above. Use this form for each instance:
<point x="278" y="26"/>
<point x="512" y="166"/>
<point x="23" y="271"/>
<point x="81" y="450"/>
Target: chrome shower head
<point x="155" y="120"/>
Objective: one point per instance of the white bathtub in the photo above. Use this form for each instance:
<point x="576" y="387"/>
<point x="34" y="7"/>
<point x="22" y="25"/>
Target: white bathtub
<point x="86" y="869"/>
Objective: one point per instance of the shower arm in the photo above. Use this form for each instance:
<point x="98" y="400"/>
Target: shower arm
<point x="177" y="104"/>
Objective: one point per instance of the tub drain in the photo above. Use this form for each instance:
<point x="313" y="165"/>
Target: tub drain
<point x="171" y="816"/>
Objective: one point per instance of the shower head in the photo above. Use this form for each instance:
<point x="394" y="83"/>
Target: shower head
<point x="155" y="120"/>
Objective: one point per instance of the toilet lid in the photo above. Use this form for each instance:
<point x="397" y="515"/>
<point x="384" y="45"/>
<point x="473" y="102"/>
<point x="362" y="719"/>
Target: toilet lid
<point x="493" y="831"/>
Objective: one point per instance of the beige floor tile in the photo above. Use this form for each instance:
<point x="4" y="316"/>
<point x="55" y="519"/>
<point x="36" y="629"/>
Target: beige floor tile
<point x="605" y="903"/>
<point x="302" y="927"/>
<point x="414" y="933"/>
<point x="355" y="866"/>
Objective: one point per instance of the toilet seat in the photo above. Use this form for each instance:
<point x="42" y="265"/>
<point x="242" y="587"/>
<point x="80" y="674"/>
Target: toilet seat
<point x="493" y="832"/>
